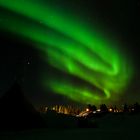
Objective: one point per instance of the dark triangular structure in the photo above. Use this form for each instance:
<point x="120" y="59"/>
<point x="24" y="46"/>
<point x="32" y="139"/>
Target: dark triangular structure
<point x="16" y="113"/>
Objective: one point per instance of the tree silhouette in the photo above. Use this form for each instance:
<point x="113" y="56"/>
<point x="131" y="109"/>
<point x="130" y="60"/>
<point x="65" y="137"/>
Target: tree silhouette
<point x="103" y="108"/>
<point x="125" y="108"/>
<point x="94" y="108"/>
<point x="91" y="107"/>
<point x="136" y="107"/>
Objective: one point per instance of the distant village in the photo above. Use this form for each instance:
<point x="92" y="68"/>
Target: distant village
<point x="90" y="110"/>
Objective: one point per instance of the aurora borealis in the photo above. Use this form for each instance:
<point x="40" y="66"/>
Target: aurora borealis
<point x="100" y="69"/>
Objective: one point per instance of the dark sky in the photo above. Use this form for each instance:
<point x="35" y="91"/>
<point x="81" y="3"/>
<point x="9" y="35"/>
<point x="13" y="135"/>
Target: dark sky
<point x="19" y="60"/>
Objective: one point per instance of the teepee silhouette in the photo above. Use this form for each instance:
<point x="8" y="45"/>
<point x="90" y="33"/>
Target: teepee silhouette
<point x="17" y="113"/>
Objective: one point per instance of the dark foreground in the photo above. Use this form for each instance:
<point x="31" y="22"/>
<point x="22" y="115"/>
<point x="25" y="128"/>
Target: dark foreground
<point x="110" y="127"/>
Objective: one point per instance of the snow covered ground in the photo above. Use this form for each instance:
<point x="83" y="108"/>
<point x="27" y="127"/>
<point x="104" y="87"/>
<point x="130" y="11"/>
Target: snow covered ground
<point x="111" y="127"/>
<point x="72" y="134"/>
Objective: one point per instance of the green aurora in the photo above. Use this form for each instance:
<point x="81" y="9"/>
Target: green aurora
<point x="73" y="47"/>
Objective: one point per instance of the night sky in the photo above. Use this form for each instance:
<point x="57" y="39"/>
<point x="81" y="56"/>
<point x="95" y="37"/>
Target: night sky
<point x="67" y="52"/>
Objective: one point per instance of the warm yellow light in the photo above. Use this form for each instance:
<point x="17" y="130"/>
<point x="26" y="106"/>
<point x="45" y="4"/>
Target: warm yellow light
<point x="46" y="108"/>
<point x="87" y="109"/>
<point x="110" y="109"/>
<point x="117" y="111"/>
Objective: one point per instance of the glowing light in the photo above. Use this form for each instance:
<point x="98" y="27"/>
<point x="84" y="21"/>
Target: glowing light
<point x="46" y="109"/>
<point x="72" y="47"/>
<point x="87" y="109"/>
<point x="110" y="109"/>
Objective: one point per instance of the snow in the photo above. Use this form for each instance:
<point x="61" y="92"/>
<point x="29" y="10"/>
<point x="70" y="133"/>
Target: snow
<point x="111" y="127"/>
